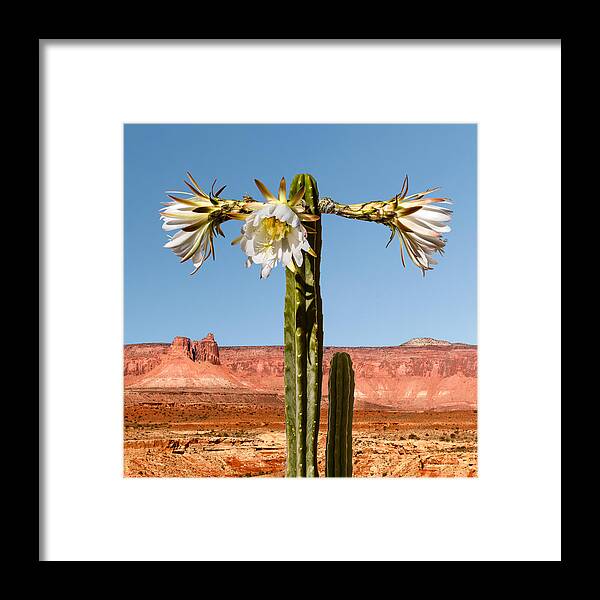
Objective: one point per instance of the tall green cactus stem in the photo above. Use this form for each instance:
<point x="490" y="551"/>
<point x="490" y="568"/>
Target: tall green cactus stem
<point x="338" y="454"/>
<point x="303" y="346"/>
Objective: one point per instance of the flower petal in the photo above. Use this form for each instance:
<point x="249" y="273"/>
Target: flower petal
<point x="282" y="191"/>
<point x="266" y="270"/>
<point x="296" y="197"/>
<point x="264" y="191"/>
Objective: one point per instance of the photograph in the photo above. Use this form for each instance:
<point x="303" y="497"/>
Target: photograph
<point x="300" y="300"/>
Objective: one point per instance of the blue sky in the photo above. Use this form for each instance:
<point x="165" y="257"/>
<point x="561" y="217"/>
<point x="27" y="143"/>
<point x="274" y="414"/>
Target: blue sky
<point x="369" y="299"/>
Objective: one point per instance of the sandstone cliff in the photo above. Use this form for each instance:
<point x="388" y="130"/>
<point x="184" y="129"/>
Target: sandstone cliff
<point x="422" y="374"/>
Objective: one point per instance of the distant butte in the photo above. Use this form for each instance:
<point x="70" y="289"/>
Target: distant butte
<point x="425" y="341"/>
<point x="420" y="374"/>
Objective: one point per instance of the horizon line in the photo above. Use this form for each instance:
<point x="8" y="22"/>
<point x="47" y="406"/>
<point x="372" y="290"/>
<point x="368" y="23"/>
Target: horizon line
<point x="281" y="345"/>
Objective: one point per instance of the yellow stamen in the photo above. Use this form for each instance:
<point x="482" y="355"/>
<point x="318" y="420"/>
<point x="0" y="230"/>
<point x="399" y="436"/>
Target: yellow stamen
<point x="275" y="228"/>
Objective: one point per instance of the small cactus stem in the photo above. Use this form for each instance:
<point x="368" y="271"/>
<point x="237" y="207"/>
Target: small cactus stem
<point x="303" y="347"/>
<point x="338" y="452"/>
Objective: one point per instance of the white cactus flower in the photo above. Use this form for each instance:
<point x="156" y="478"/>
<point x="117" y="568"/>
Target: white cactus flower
<point x="194" y="241"/>
<point x="420" y="223"/>
<point x="198" y="217"/>
<point x="421" y="232"/>
<point x="274" y="232"/>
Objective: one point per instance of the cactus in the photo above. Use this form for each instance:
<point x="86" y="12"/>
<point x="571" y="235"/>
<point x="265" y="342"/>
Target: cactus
<point x="303" y="342"/>
<point x="338" y="454"/>
<point x="199" y="216"/>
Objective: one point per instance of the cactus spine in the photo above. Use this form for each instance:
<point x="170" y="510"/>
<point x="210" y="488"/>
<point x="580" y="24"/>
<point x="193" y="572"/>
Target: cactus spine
<point x="338" y="455"/>
<point x="303" y="347"/>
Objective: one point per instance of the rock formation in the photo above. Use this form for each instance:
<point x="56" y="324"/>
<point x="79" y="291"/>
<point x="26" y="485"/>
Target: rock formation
<point x="209" y="350"/>
<point x="436" y="377"/>
<point x="185" y="363"/>
<point x="205" y="350"/>
<point x="179" y="372"/>
<point x="141" y="358"/>
<point x="422" y="374"/>
<point x="427" y="341"/>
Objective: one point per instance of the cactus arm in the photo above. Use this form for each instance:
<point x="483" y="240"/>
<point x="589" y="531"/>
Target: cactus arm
<point x="366" y="211"/>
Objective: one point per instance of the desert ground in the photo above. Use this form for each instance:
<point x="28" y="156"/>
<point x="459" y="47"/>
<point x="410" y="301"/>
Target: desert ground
<point x="190" y="434"/>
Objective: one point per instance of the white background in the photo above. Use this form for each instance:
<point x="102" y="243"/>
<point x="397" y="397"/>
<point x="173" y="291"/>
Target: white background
<point x="511" y="512"/>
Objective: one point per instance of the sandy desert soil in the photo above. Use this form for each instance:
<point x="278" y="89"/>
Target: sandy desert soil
<point x="193" y="436"/>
